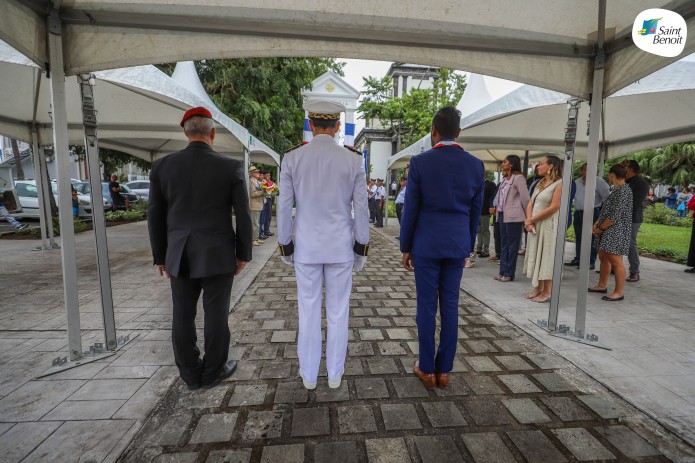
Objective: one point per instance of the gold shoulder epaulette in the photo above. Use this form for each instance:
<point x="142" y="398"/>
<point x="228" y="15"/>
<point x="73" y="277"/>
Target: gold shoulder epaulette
<point x="352" y="149"/>
<point x="295" y="147"/>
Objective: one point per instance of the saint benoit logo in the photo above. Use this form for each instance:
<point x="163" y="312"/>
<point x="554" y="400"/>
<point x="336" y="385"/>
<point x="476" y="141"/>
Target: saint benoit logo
<point x="661" y="32"/>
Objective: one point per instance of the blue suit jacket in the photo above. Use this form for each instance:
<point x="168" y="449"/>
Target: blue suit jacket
<point x="443" y="200"/>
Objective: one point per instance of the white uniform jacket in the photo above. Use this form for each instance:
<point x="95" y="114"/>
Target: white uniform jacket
<point x="326" y="183"/>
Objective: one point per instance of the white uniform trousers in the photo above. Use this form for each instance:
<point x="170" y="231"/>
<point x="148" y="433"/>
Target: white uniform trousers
<point x="338" y="281"/>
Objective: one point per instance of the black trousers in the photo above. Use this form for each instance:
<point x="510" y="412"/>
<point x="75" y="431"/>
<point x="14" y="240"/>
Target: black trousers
<point x="577" y="222"/>
<point x="217" y="291"/>
<point x="399" y="212"/>
<point x="379" y="213"/>
<point x="371" y="202"/>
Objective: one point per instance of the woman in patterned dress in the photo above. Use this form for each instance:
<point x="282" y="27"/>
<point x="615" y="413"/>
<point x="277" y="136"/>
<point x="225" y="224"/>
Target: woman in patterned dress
<point x="612" y="231"/>
<point x="543" y="212"/>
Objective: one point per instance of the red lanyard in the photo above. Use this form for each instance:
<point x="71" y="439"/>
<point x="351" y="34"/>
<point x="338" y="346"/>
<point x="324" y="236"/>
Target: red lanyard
<point x="447" y="143"/>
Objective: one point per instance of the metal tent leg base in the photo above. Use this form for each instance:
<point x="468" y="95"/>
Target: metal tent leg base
<point x="569" y="335"/>
<point x="543" y="324"/>
<point x="95" y="352"/>
<point x="46" y="248"/>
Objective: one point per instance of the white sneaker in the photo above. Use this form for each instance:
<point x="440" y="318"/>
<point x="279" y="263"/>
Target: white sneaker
<point x="335" y="383"/>
<point x="256" y="243"/>
<point x="307" y="384"/>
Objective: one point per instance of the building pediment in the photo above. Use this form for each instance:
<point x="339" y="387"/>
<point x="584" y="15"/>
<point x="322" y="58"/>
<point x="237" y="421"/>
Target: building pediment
<point x="330" y="86"/>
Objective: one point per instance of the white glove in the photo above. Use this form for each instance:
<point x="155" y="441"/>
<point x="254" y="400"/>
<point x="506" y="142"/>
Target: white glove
<point x="287" y="260"/>
<point x="359" y="262"/>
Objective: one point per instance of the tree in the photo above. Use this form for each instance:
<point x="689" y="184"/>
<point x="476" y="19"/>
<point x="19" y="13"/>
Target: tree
<point x="264" y="94"/>
<point x="112" y="160"/>
<point x="410" y="115"/>
<point x="675" y="164"/>
<point x="670" y="165"/>
<point x="17" y="159"/>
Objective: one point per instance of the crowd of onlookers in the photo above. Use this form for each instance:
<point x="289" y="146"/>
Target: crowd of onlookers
<point x="527" y="211"/>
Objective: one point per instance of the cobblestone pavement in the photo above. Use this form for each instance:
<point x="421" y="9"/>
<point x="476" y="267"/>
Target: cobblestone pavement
<point x="511" y="398"/>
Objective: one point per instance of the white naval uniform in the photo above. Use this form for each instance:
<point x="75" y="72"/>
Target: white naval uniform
<point x="326" y="183"/>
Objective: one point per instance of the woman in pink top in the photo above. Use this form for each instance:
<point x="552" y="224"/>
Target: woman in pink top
<point x="512" y="201"/>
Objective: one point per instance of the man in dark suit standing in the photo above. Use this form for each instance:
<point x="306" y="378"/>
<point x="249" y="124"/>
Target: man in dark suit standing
<point x="192" y="195"/>
<point x="444" y="197"/>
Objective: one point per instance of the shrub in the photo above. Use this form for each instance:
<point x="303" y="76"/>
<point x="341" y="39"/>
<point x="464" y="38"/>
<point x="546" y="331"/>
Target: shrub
<point x="121" y="216"/>
<point x="660" y="214"/>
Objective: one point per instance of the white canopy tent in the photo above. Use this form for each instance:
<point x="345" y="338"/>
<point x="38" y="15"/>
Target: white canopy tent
<point x="657" y="110"/>
<point x="579" y="48"/>
<point x="480" y="92"/>
<point x="139" y="109"/>
<point x="512" y="40"/>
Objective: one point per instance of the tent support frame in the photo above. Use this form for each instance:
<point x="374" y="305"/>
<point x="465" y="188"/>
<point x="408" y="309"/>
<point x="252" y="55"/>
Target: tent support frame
<point x="570" y="138"/>
<point x="89" y="118"/>
<point x="62" y="158"/>
<point x="579" y="332"/>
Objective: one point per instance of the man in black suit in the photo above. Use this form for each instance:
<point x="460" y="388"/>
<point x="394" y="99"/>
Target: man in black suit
<point x="192" y="195"/>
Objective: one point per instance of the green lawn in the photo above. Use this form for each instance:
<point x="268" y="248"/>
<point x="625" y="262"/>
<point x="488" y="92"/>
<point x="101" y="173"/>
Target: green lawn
<point x="660" y="240"/>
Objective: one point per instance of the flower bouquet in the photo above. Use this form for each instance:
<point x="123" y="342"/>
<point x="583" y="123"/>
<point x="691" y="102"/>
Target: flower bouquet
<point x="270" y="187"/>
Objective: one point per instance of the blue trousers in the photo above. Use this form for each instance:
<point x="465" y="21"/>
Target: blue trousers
<point x="261" y="222"/>
<point x="437" y="282"/>
<point x="268" y="213"/>
<point x="510" y="237"/>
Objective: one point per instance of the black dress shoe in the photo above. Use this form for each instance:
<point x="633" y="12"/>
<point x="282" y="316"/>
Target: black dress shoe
<point x="483" y="254"/>
<point x="269" y="234"/>
<point x="689" y="270"/>
<point x="262" y="237"/>
<point x="572" y="263"/>
<point x="228" y="370"/>
<point x="612" y="299"/>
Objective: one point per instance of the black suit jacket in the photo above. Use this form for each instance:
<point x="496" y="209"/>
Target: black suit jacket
<point x="192" y="195"/>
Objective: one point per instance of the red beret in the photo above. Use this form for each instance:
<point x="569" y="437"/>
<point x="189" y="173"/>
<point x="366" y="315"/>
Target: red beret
<point x="199" y="111"/>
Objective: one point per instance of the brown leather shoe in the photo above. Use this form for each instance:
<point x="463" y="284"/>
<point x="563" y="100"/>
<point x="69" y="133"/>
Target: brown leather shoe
<point x="442" y="380"/>
<point x="427" y="379"/>
<point x="633" y="277"/>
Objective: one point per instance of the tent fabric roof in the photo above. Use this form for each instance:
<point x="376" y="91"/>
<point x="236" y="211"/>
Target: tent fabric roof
<point x="139" y="109"/>
<point x="512" y="40"/>
<point x="652" y="112"/>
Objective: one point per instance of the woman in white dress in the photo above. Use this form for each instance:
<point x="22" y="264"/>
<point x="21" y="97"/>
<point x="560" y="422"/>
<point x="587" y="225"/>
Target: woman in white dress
<point x="543" y="214"/>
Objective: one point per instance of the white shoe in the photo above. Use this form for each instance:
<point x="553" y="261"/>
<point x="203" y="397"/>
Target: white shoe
<point x="335" y="383"/>
<point x="256" y="243"/>
<point x="307" y="384"/>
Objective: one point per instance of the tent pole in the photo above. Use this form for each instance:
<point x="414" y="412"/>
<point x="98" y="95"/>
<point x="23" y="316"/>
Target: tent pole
<point x="46" y="183"/>
<point x="591" y="169"/>
<point x="386" y="198"/>
<point x="570" y="139"/>
<point x="39" y="187"/>
<point x="526" y="163"/>
<point x="89" y="119"/>
<point x="62" y="159"/>
<point x="247" y="166"/>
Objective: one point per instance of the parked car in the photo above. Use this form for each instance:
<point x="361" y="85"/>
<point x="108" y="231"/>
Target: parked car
<point x="29" y="198"/>
<point x="140" y="187"/>
<point x="86" y="187"/>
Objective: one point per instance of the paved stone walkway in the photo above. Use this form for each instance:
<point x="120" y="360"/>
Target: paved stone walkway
<point x="89" y="413"/>
<point x="511" y="398"/>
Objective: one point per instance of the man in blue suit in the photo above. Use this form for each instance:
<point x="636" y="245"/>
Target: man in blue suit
<point x="443" y="198"/>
